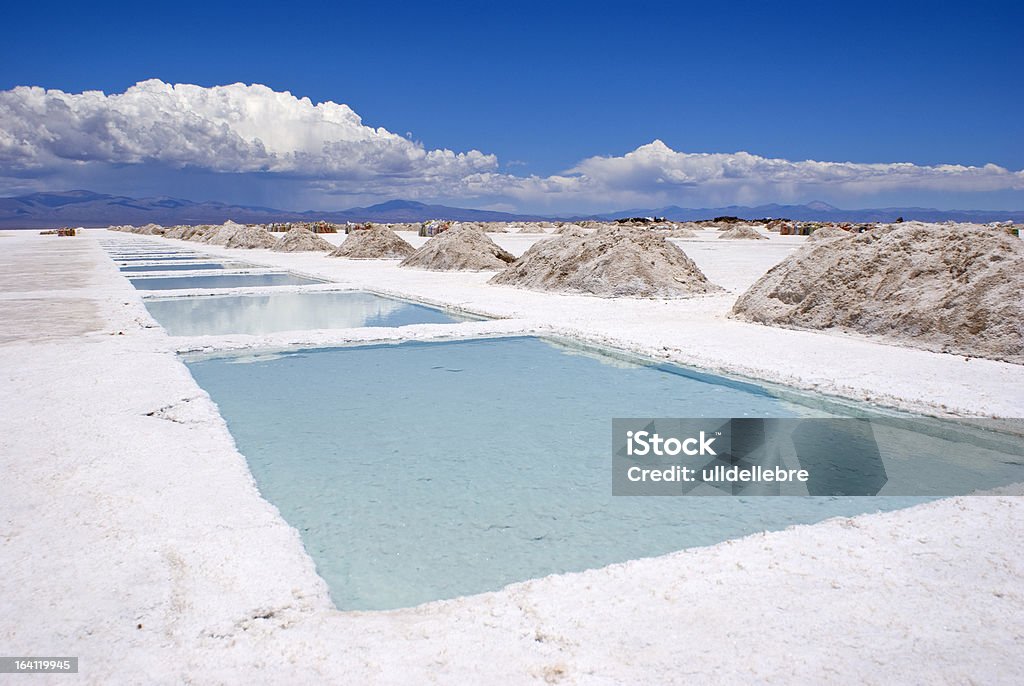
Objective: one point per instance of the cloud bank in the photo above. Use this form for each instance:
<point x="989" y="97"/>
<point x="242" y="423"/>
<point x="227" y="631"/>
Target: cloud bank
<point x="47" y="136"/>
<point x="236" y="128"/>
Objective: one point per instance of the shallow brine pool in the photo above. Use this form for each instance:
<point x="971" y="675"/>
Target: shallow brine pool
<point x="220" y="281"/>
<point x="422" y="471"/>
<point x="175" y="267"/>
<point x="157" y="257"/>
<point x="163" y="252"/>
<point x="261" y="314"/>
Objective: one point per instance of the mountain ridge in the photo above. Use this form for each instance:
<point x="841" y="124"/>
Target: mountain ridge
<point x="90" y="209"/>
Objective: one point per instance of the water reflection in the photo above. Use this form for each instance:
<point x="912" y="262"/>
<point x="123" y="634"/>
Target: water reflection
<point x="220" y="281"/>
<point x="261" y="314"/>
<point x="199" y="266"/>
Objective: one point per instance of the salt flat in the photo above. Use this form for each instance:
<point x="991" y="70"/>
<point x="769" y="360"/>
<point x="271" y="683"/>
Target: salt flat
<point x="695" y="331"/>
<point x="135" y="538"/>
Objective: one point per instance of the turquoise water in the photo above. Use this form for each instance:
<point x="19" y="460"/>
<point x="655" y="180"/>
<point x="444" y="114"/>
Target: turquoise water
<point x="199" y="266"/>
<point x="220" y="281"/>
<point x="422" y="471"/>
<point x="157" y="257"/>
<point x="161" y="258"/>
<point x="260" y="314"/>
<point x="119" y="253"/>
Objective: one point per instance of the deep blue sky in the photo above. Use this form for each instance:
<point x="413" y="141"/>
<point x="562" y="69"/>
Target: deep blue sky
<point x="552" y="83"/>
<point x="546" y="84"/>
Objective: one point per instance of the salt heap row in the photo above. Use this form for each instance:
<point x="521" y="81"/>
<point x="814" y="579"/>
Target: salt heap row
<point x="301" y="239"/>
<point x="463" y="248"/>
<point x="949" y="288"/>
<point x="945" y="287"/>
<point x="618" y="261"/>
<point x="374" y="243"/>
<point x="234" y="235"/>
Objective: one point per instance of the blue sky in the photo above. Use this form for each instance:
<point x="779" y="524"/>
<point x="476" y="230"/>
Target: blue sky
<point x="544" y="87"/>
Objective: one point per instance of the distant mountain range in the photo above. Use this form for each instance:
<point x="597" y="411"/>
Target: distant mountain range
<point x="820" y="211"/>
<point x="85" y="208"/>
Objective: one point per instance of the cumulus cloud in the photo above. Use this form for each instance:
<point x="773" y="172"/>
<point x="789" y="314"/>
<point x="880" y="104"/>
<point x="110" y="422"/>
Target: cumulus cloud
<point x="235" y="128"/>
<point x="656" y="164"/>
<point x="252" y="131"/>
<point x="655" y="173"/>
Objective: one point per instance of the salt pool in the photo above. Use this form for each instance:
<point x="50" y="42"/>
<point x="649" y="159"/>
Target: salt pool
<point x="198" y="266"/>
<point x="163" y="258"/>
<point x="126" y="252"/>
<point x="156" y="257"/>
<point x="260" y="314"/>
<point x="422" y="471"/>
<point x="220" y="281"/>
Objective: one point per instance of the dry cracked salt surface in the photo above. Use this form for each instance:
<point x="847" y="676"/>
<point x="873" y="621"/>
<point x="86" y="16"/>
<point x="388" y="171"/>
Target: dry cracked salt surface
<point x="134" y="536"/>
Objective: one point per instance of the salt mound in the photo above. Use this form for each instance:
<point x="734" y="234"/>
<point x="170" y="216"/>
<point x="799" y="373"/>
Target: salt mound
<point x="196" y="233"/>
<point x="742" y="232"/>
<point x="220" y="235"/>
<point x="947" y="288"/>
<point x="176" y="231"/>
<point x="826" y="233"/>
<point x="301" y="239"/>
<point x="482" y="226"/>
<point x="147" y="230"/>
<point x="678" y="233"/>
<point x="576" y="231"/>
<point x="614" y="262"/>
<point x="460" y="249"/>
<point x="376" y="243"/>
<point x="251" y="237"/>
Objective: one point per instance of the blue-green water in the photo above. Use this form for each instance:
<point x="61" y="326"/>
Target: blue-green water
<point x="260" y="314"/>
<point x="422" y="471"/>
<point x="220" y="281"/>
<point x="162" y="257"/>
<point x="198" y="266"/>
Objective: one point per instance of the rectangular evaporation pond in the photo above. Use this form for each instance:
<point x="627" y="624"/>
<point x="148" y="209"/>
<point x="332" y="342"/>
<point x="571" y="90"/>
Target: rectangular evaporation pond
<point x="162" y="258"/>
<point x="261" y="314"/>
<point x="174" y="267"/>
<point x="159" y="258"/>
<point x="164" y="248"/>
<point x="423" y="471"/>
<point x="221" y="281"/>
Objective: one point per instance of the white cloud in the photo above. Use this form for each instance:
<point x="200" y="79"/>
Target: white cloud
<point x="655" y="164"/>
<point x="49" y="135"/>
<point x="234" y="128"/>
<point x="656" y="173"/>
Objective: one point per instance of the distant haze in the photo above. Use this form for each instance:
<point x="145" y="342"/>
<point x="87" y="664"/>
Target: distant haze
<point x="89" y="209"/>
